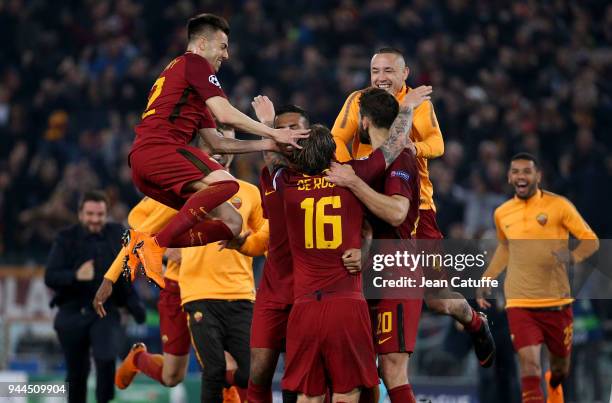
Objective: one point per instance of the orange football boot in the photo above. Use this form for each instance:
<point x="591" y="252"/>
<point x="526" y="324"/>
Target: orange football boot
<point x="553" y="395"/>
<point x="127" y="370"/>
<point x="151" y="255"/>
<point x="230" y="395"/>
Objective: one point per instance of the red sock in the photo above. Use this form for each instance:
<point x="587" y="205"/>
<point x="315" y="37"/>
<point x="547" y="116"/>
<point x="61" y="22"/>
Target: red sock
<point x="259" y="393"/>
<point x="474" y="324"/>
<point x="402" y="394"/>
<point x="530" y="390"/>
<point x="150" y="364"/>
<point x="195" y="210"/>
<point x="202" y="233"/>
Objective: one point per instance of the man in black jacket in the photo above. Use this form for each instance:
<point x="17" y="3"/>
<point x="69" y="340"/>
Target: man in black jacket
<point x="78" y="259"/>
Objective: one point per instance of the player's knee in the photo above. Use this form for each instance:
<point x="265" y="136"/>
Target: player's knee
<point x="262" y="368"/>
<point x="173" y="376"/>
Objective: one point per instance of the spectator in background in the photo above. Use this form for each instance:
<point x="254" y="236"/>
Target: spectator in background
<point x="77" y="262"/>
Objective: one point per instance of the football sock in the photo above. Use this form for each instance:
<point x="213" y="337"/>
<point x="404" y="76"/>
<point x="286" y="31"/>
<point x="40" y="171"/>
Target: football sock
<point x="259" y="393"/>
<point x="195" y="210"/>
<point x="530" y="390"/>
<point x="475" y="324"/>
<point x="289" y="396"/>
<point x="555" y="380"/>
<point x="369" y="395"/>
<point x="402" y="394"/>
<point x="150" y="364"/>
<point x="202" y="233"/>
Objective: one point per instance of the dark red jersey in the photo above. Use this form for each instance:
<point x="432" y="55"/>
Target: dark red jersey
<point x="176" y="109"/>
<point x="401" y="178"/>
<point x="277" y="280"/>
<point x="323" y="221"/>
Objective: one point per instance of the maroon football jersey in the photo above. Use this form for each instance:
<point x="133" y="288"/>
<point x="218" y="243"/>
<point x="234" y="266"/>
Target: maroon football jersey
<point x="323" y="221"/>
<point x="277" y="280"/>
<point x="176" y="109"/>
<point x="401" y="178"/>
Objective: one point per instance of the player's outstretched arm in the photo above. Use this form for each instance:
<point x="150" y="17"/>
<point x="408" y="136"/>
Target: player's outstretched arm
<point x="227" y="114"/>
<point x="225" y="145"/>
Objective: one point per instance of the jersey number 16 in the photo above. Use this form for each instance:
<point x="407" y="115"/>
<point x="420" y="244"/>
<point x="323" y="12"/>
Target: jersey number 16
<point x="318" y="219"/>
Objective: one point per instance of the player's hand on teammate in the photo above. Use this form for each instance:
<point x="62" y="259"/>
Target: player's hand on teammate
<point x="411" y="147"/>
<point x="416" y="97"/>
<point x="173" y="254"/>
<point x="86" y="271"/>
<point x="481" y="297"/>
<point x="341" y="174"/>
<point x="104" y="291"/>
<point x="235" y="243"/>
<point x="563" y="256"/>
<point x="290" y="137"/>
<point x="264" y="109"/>
<point x="352" y="260"/>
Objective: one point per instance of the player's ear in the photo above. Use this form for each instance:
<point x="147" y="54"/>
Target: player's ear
<point x="406" y="73"/>
<point x="538" y="176"/>
<point x="365" y="122"/>
<point x="509" y="178"/>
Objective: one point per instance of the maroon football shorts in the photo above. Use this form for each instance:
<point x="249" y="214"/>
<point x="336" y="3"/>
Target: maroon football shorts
<point x="161" y="171"/>
<point x="551" y="326"/>
<point x="172" y="320"/>
<point x="269" y="326"/>
<point x="427" y="227"/>
<point x="329" y="339"/>
<point x="395" y="324"/>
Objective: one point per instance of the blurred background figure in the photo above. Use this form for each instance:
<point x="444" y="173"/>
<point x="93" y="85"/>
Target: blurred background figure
<point x="76" y="265"/>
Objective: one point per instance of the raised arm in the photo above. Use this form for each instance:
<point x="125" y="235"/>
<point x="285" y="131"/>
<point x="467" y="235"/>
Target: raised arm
<point x="264" y="110"/>
<point x="400" y="129"/>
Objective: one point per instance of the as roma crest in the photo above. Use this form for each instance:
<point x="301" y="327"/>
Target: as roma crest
<point x="236" y="202"/>
<point x="542" y="218"/>
<point x="198" y="316"/>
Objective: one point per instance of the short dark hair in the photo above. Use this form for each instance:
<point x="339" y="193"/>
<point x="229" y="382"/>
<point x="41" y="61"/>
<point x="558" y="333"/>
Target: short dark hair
<point x="317" y="153"/>
<point x="379" y="106"/>
<point x="391" y="50"/>
<point x="290" y="108"/>
<point x="525" y="156"/>
<point x="92" y="195"/>
<point x="206" y="22"/>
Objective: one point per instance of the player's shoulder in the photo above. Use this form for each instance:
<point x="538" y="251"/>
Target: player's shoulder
<point x="354" y="96"/>
<point x="557" y="199"/>
<point x="505" y="207"/>
<point x="247" y="187"/>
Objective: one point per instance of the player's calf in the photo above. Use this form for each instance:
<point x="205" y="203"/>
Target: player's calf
<point x="394" y="369"/>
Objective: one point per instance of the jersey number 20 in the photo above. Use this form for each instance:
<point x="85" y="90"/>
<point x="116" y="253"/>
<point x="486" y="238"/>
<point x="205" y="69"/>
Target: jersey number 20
<point x="318" y="219"/>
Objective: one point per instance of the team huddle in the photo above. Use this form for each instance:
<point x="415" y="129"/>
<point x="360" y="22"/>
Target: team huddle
<point x="315" y="211"/>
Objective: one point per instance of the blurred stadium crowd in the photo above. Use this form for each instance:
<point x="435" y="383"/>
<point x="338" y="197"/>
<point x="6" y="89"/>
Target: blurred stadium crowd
<point x="530" y="76"/>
